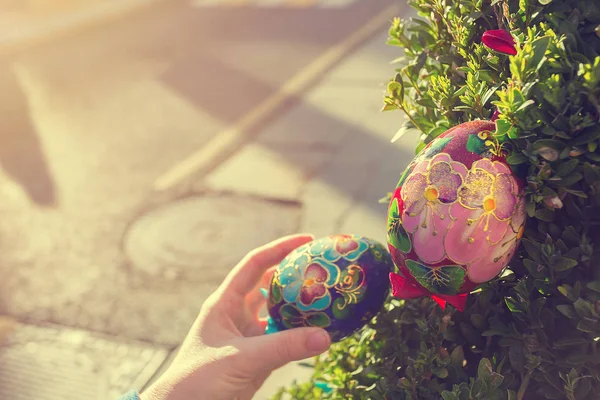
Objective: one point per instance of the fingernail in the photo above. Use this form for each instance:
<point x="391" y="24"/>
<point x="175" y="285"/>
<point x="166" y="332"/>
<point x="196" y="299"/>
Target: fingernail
<point x="318" y="341"/>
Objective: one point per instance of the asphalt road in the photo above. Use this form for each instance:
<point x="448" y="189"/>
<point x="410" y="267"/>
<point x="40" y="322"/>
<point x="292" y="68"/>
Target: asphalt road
<point x="88" y="123"/>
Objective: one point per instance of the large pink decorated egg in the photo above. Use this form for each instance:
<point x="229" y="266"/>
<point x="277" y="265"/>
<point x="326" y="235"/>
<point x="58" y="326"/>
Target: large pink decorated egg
<point x="457" y="214"/>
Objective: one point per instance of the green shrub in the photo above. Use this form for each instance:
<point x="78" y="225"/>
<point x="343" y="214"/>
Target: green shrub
<point x="533" y="333"/>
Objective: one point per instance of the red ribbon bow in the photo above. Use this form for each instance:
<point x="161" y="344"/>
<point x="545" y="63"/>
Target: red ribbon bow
<point x="404" y="289"/>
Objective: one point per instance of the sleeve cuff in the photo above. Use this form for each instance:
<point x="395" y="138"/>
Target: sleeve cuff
<point x="132" y="395"/>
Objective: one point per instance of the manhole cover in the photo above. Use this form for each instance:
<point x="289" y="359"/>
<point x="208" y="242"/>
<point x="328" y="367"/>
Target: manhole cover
<point x="55" y="363"/>
<point x="203" y="237"/>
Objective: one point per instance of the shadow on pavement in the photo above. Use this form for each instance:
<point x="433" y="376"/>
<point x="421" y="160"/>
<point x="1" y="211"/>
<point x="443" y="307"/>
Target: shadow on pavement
<point x="303" y="129"/>
<point x="214" y="86"/>
<point x="21" y="153"/>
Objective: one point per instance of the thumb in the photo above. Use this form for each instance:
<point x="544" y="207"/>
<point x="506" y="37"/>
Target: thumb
<point x="273" y="351"/>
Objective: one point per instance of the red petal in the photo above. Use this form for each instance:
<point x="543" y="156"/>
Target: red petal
<point x="404" y="289"/>
<point x="316" y="272"/>
<point x="495" y="115"/>
<point x="499" y="40"/>
<point x="308" y="294"/>
<point x="440" y="302"/>
<point x="459" y="301"/>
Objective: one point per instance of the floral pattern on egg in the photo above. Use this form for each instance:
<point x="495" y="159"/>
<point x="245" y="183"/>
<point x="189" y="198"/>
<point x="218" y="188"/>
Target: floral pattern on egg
<point x="457" y="214"/>
<point x="337" y="283"/>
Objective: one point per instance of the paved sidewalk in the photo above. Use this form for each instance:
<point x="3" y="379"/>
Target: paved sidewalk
<point x="332" y="154"/>
<point x="25" y="23"/>
<point x="320" y="167"/>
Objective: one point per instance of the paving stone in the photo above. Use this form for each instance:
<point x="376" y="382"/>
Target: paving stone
<point x="202" y="237"/>
<point x="368" y="66"/>
<point x="328" y="196"/>
<point x="260" y="171"/>
<point x="55" y="363"/>
<point x="303" y="127"/>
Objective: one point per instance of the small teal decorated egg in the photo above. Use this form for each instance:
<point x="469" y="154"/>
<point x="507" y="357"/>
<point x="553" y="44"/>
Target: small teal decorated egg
<point x="338" y="283"/>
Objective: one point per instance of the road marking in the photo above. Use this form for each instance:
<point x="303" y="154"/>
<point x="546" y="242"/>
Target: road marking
<point x="22" y="38"/>
<point x="228" y="141"/>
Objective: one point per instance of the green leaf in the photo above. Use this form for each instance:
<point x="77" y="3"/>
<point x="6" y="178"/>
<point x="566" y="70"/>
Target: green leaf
<point x="396" y="234"/>
<point x="562" y="263"/>
<point x="544" y="214"/>
<point x="484" y="370"/>
<point x="584" y="309"/>
<point x="533" y="249"/>
<point x="276" y="294"/>
<point x="594" y="285"/>
<point x="516" y="158"/>
<point x="569" y="180"/>
<point x="525" y="105"/>
<point x="318" y="319"/>
<point x="567" y="310"/>
<point x="504" y="128"/>
<point x="545" y="2"/>
<point x="389" y="107"/>
<point x="446" y="395"/>
<point x="539" y="46"/>
<point x="591" y="173"/>
<point x="457" y="356"/>
<point x="536" y="270"/>
<point x="476" y="145"/>
<point x="478" y="321"/>
<point x="440" y="372"/>
<point x="512" y="305"/>
<point x="340" y="309"/>
<point x="567" y="167"/>
<point x="495" y="382"/>
<point x="569" y="292"/>
<point x="586" y="137"/>
<point x="420" y="147"/>
<point x="570" y="342"/>
<point x="386" y="199"/>
<point x="530" y="208"/>
<point x="554" y="144"/>
<point x="585" y="326"/>
<point x="443" y="280"/>
<point x="516" y="357"/>
<point x="486" y="97"/>
<point x="396" y="89"/>
<point x="401" y="132"/>
<point x="577" y="193"/>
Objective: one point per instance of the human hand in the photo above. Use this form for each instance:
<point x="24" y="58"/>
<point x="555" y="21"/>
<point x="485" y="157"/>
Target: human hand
<point x="226" y="355"/>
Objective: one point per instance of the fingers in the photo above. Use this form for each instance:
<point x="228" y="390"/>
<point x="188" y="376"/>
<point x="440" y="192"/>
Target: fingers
<point x="256" y="328"/>
<point x="255" y="299"/>
<point x="270" y="352"/>
<point x="248" y="272"/>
